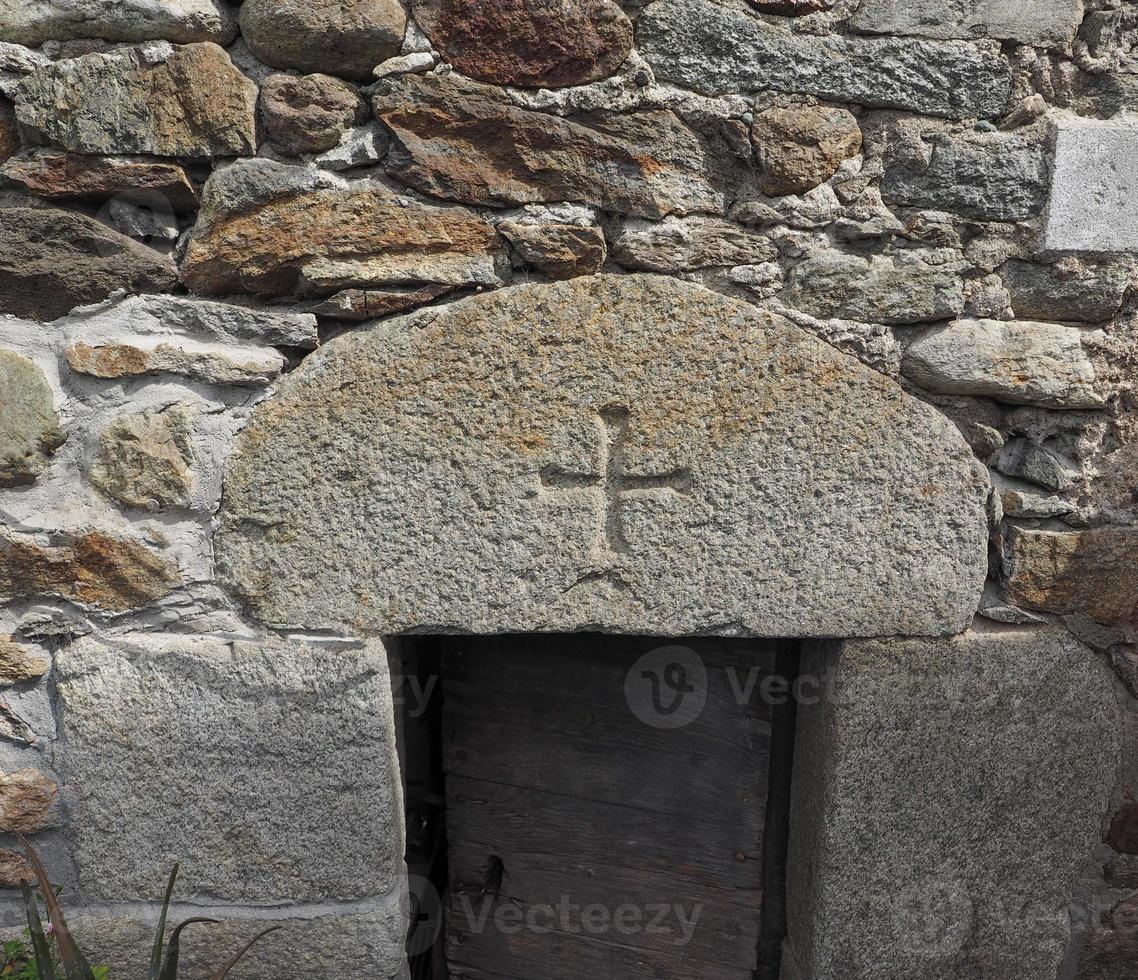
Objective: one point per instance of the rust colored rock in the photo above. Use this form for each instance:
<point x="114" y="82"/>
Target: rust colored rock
<point x="309" y="114"/>
<point x="463" y="141"/>
<point x="94" y="569"/>
<point x="327" y="239"/>
<point x="343" y="37"/>
<point x="529" y="43"/>
<point x="18" y="664"/>
<point x="53" y="260"/>
<point x="800" y="147"/>
<point x="9" y="136"/>
<point x="370" y="304"/>
<point x="26" y="799"/>
<point x="1123" y="836"/>
<point x="14" y="869"/>
<point x="559" y="251"/>
<point x="791" y="8"/>
<point x="72" y="176"/>
<point x="224" y="364"/>
<point x="1091" y="572"/>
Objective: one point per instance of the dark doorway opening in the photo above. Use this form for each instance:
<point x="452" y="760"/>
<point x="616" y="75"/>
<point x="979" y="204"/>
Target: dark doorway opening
<point x="587" y="806"/>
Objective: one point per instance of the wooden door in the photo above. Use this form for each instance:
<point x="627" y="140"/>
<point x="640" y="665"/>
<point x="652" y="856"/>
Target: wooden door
<point x="588" y="838"/>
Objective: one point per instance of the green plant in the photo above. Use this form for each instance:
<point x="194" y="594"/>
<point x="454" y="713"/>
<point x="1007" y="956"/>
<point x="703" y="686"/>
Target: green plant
<point x="47" y="956"/>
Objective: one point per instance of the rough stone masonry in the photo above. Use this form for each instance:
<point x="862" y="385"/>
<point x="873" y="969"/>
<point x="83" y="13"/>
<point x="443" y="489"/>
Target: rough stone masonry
<point x="324" y="321"/>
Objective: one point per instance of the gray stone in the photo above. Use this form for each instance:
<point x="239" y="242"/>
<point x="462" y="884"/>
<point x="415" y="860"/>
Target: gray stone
<point x="989" y="176"/>
<point x="29" y="423"/>
<point x="341" y="37"/>
<point x="628" y="453"/>
<point x="32" y="22"/>
<point x="1094" y="187"/>
<point x="53" y="260"/>
<point x="266" y="767"/>
<point x="1016" y="361"/>
<point x="722" y="47"/>
<point x="947" y="796"/>
<point x="180" y="102"/>
<point x="895" y="289"/>
<point x="560" y="251"/>
<point x="351" y="943"/>
<point x="1025" y="460"/>
<point x="358" y="147"/>
<point x="1034" y="506"/>
<point x="137" y="356"/>
<point x="685" y="244"/>
<point x="1090" y="292"/>
<point x="216" y="321"/>
<point x="1037" y="22"/>
<point x="143" y="460"/>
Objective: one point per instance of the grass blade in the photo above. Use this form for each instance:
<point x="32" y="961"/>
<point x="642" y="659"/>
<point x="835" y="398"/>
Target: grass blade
<point x="44" y="969"/>
<point x="155" y="970"/>
<point x="170" y="968"/>
<point x="224" y="971"/>
<point x="75" y="964"/>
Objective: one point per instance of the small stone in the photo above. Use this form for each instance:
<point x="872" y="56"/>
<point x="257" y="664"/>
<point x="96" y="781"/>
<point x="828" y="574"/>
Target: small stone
<point x="212" y="363"/>
<point x="800" y="147"/>
<point x="791" y="8"/>
<point x="1069" y="290"/>
<point x="1123" y="836"/>
<point x="309" y="114"/>
<point x="762" y="281"/>
<point x="1017" y="503"/>
<point x="18" y="664"/>
<point x="1026" y="460"/>
<point x="342" y="37"/>
<point x="719" y="48"/>
<point x="1036" y="22"/>
<point x="94" y="569"/>
<point x="370" y="304"/>
<point x="901" y="288"/>
<point x="9" y="135"/>
<point x="144" y="460"/>
<point x="686" y="244"/>
<point x="358" y="147"/>
<point x="1109" y="954"/>
<point x="29" y="424"/>
<point x="463" y="141"/>
<point x="528" y="44"/>
<point x="988" y="176"/>
<point x="66" y="176"/>
<point x="557" y="250"/>
<point x="332" y="238"/>
<point x="53" y="260"/>
<point x="26" y="800"/>
<point x="405" y="64"/>
<point x="33" y="22"/>
<point x="1093" y="572"/>
<point x="1017" y="361"/>
<point x="181" y="102"/>
<point x="14" y="869"/>
<point x="1094" y="189"/>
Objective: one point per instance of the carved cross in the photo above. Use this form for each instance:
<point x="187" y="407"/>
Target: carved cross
<point x="612" y="483"/>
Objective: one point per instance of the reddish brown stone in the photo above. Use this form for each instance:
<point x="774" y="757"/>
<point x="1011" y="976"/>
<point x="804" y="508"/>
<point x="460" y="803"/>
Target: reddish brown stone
<point x="1090" y="572"/>
<point x="63" y="176"/>
<point x="370" y="304"/>
<point x="14" y="869"/>
<point x="309" y="114"/>
<point x="1109" y="954"/>
<point x="19" y="664"/>
<point x="1123" y="836"/>
<point x="26" y="798"/>
<point x="558" y="251"/>
<point x="529" y="43"/>
<point x="800" y="147"/>
<point x="93" y="569"/>
<point x="9" y="137"/>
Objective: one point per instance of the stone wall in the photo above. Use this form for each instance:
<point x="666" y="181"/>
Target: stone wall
<point x="855" y="205"/>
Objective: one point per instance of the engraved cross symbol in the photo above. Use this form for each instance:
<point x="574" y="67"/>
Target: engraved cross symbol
<point x="613" y="482"/>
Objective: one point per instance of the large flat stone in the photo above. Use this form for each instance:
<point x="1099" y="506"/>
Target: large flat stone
<point x="180" y="102"/>
<point x="267" y="768"/>
<point x="32" y="22"/>
<point x="1017" y="361"/>
<point x="619" y="452"/>
<point x="1094" y="186"/>
<point x="719" y="47"/>
<point x="1037" y="22"/>
<point x="948" y="795"/>
<point x="309" y="236"/>
<point x="464" y="141"/>
<point x="53" y="260"/>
